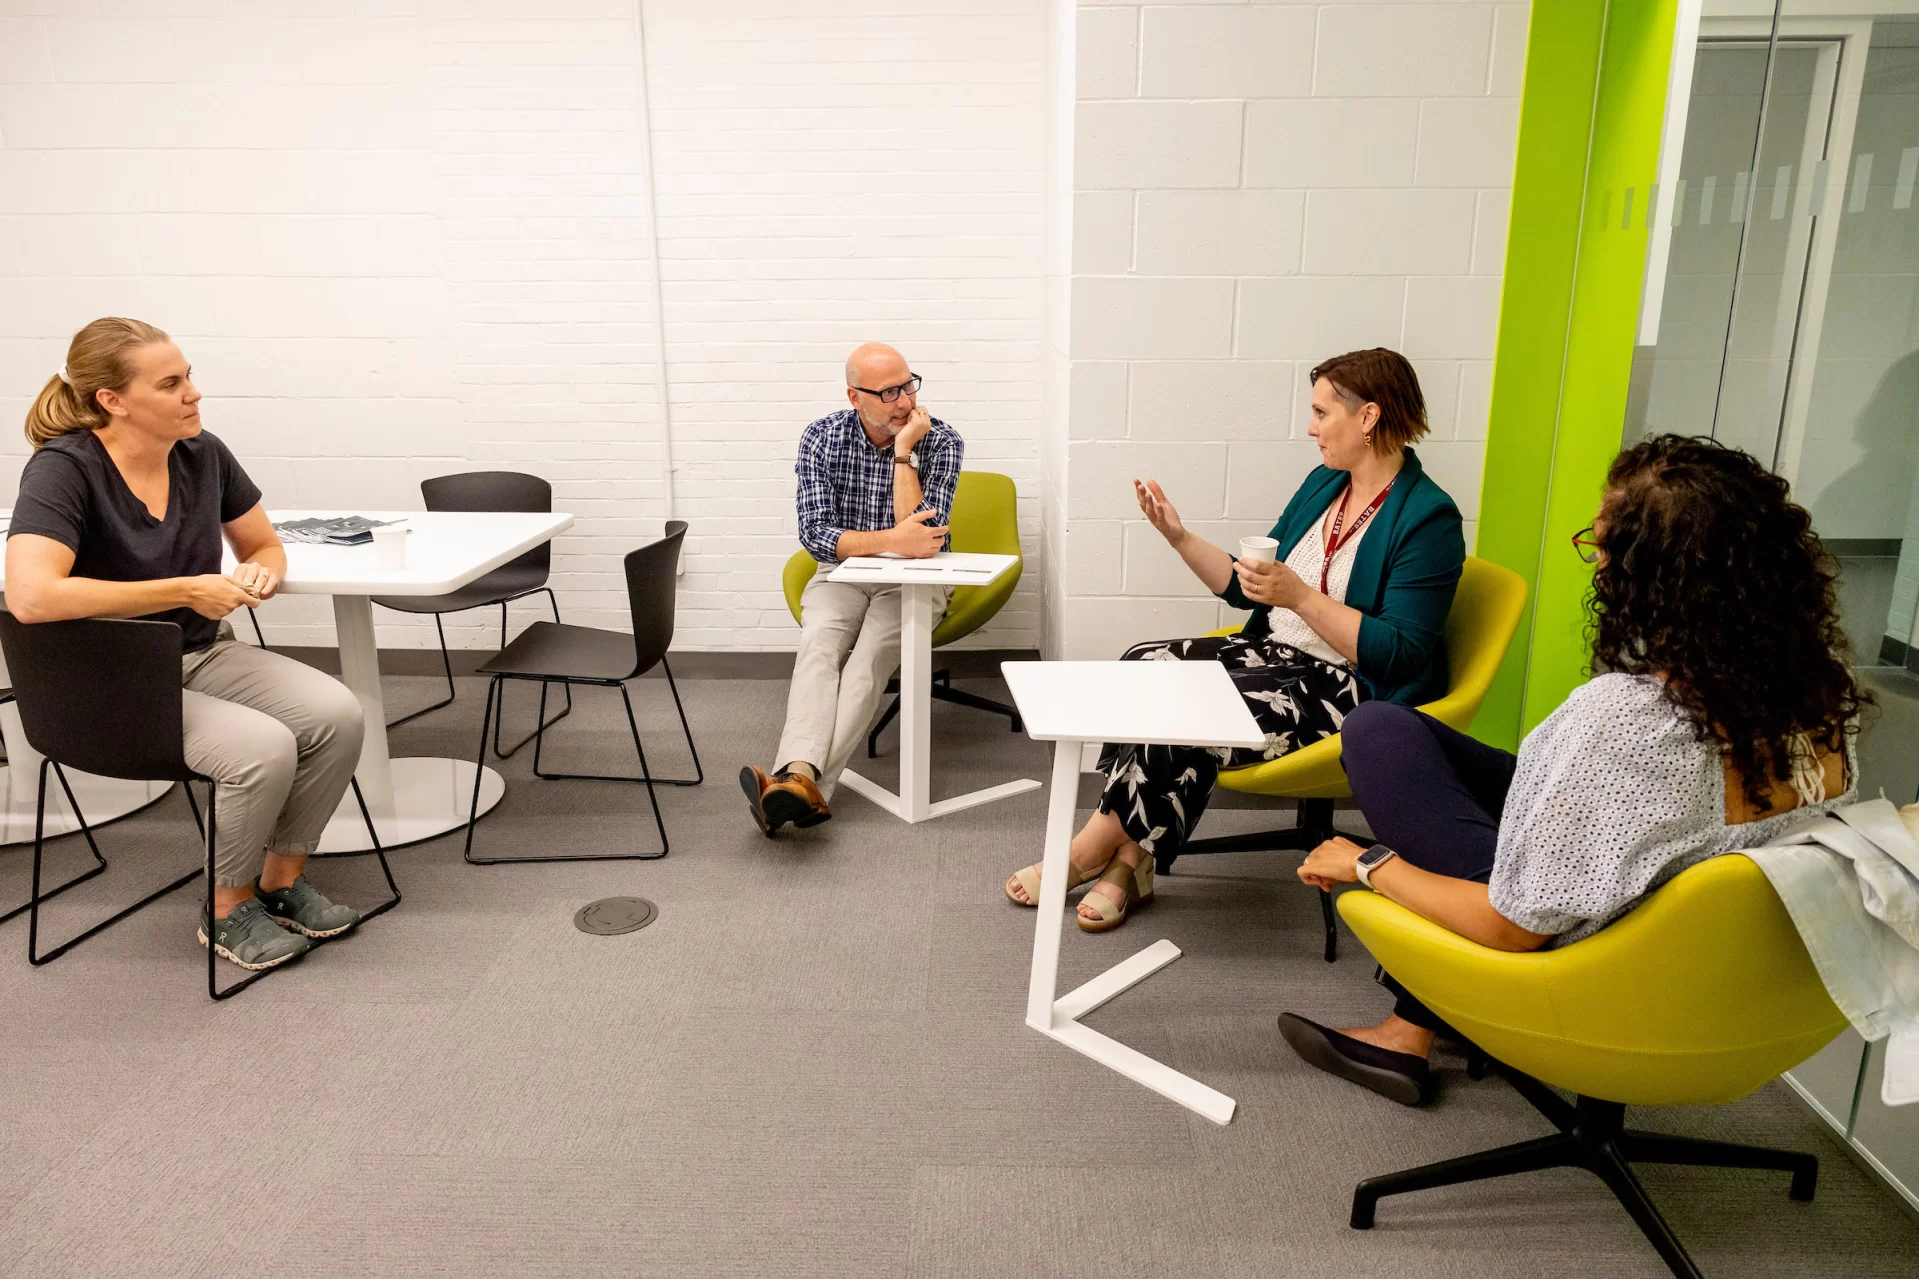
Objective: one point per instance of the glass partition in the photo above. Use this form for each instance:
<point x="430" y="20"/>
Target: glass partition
<point x="1781" y="314"/>
<point x="1781" y="307"/>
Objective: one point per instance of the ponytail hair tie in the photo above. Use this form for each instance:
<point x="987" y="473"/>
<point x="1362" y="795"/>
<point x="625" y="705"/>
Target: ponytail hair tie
<point x="64" y="377"/>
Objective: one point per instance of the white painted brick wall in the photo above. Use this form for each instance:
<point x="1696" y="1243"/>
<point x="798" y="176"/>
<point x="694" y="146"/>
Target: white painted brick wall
<point x="1260" y="186"/>
<point x="407" y="237"/>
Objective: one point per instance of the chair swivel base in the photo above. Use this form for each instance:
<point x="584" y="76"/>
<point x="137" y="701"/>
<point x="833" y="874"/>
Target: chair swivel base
<point x="942" y="690"/>
<point x="1315" y="827"/>
<point x="1592" y="1135"/>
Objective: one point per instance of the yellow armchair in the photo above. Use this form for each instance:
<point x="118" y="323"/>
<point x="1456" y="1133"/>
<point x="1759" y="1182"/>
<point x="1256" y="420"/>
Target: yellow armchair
<point x="1479" y="628"/>
<point x="1697" y="997"/>
<point x="984" y="521"/>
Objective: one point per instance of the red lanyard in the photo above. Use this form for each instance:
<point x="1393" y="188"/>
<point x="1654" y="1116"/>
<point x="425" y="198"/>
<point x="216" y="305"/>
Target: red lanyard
<point x="1333" y="539"/>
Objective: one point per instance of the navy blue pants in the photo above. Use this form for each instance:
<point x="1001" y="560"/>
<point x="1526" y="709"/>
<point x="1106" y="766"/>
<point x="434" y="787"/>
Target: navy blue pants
<point x="1431" y="794"/>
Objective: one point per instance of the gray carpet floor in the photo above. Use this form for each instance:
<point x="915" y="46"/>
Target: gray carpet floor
<point x="813" y="1063"/>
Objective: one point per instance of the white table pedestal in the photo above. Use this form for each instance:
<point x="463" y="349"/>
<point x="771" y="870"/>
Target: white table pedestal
<point x="410" y="799"/>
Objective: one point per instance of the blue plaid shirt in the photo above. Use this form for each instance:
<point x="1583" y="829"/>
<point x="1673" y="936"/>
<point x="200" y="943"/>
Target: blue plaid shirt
<point x="846" y="484"/>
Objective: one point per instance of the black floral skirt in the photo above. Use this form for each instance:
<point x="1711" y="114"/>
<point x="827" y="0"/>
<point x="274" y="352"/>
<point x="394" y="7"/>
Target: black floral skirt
<point x="1159" y="792"/>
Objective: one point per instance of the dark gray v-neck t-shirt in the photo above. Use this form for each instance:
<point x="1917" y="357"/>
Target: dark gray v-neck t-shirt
<point x="72" y="492"/>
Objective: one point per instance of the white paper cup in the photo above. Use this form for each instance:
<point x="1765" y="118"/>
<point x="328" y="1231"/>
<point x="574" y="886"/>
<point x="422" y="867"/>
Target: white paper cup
<point x="1258" y="550"/>
<point x="389" y="547"/>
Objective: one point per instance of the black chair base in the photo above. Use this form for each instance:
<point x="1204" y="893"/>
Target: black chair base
<point x="943" y="691"/>
<point x="1315" y="827"/>
<point x="209" y="832"/>
<point x="99" y="862"/>
<point x="496" y="697"/>
<point x="1593" y="1135"/>
<point x="446" y="664"/>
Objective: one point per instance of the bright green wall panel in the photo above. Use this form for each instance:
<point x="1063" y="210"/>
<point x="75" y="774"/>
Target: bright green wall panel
<point x="1591" y="114"/>
<point x="1542" y="244"/>
<point x="1627" y="120"/>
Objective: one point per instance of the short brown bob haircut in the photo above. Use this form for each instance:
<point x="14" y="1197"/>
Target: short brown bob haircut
<point x="1379" y="376"/>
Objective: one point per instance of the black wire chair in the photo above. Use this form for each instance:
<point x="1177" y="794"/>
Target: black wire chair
<point x="516" y="579"/>
<point x="549" y="653"/>
<point x="103" y="696"/>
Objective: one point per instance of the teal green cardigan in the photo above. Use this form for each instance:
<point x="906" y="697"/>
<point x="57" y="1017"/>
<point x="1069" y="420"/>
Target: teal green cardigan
<point x="1403" y="579"/>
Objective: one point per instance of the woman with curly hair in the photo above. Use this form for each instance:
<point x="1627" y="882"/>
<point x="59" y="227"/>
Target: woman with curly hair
<point x="1725" y="715"/>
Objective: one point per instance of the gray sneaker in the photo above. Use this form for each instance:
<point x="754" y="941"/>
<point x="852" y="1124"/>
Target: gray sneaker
<point x="303" y="908"/>
<point x="250" y="939"/>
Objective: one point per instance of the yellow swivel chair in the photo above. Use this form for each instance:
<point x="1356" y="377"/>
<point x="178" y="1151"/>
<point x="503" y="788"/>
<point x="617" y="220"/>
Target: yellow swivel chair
<point x="1697" y="997"/>
<point x="984" y="521"/>
<point x="1484" y="617"/>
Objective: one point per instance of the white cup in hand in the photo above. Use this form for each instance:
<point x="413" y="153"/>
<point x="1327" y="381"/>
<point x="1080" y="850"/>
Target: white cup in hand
<point x="389" y="547"/>
<point x="1258" y="550"/>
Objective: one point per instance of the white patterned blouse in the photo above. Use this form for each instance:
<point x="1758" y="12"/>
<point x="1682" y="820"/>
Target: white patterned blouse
<point x="1612" y="797"/>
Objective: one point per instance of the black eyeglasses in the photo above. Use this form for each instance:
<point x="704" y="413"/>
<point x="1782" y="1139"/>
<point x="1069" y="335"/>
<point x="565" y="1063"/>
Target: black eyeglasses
<point x="1587" y="545"/>
<point x="909" y="387"/>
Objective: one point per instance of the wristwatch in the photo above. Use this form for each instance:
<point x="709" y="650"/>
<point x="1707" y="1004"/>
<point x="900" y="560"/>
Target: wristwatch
<point x="907" y="459"/>
<point x="1371" y="860"/>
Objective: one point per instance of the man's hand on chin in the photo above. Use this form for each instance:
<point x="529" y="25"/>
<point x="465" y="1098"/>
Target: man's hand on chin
<point x="907" y="438"/>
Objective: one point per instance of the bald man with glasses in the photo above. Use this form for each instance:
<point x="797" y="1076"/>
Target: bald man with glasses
<point x="874" y="479"/>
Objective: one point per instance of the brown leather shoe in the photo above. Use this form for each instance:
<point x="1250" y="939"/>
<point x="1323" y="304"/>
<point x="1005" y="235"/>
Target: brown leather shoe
<point x="783" y="798"/>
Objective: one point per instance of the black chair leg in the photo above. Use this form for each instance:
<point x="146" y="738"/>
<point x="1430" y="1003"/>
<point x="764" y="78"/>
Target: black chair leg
<point x="1612" y="1169"/>
<point x="1557" y="1151"/>
<point x="1659" y="1148"/>
<point x="960" y="697"/>
<point x="645" y="778"/>
<point x="699" y="773"/>
<point x="99" y="862"/>
<point x="34" y="955"/>
<point x="446" y="663"/>
<point x="1313" y="828"/>
<point x="540" y="725"/>
<point x="886" y="718"/>
<point x="539" y="742"/>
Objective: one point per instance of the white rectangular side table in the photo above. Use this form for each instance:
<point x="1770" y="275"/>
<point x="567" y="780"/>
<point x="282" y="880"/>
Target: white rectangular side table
<point x="1074" y="703"/>
<point x="918" y="580"/>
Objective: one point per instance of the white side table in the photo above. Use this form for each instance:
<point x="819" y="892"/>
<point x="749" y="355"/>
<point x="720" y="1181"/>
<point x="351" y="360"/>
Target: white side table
<point x="1074" y="703"/>
<point x="918" y="580"/>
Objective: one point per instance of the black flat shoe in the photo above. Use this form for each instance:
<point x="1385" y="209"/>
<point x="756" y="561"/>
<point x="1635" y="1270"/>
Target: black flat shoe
<point x="1400" y="1077"/>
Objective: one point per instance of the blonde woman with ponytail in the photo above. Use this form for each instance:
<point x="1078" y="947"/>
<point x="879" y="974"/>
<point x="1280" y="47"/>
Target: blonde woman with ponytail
<point x="121" y="513"/>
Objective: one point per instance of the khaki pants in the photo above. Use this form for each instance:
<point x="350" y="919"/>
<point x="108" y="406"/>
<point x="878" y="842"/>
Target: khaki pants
<point x="849" y="647"/>
<point x="281" y="741"/>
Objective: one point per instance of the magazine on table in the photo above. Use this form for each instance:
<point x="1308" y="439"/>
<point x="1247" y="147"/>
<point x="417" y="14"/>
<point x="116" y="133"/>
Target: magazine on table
<point x="341" y="530"/>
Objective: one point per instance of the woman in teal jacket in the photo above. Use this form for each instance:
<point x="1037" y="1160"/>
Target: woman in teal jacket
<point x="1369" y="552"/>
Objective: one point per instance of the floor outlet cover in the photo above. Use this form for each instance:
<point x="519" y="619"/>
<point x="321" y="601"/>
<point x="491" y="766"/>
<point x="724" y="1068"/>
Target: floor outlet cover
<point x="610" y="916"/>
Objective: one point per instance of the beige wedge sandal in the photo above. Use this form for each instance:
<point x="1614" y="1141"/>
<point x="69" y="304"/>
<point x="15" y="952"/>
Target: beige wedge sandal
<point x="1028" y="879"/>
<point x="1138" y="883"/>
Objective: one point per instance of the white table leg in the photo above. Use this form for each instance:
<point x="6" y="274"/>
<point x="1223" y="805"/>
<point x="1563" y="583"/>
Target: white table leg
<point x="916" y="700"/>
<point x="410" y="799"/>
<point x="360" y="671"/>
<point x="1057" y="1017"/>
<point x="102" y="799"/>
<point x="914" y="803"/>
<point x="1060" y="805"/>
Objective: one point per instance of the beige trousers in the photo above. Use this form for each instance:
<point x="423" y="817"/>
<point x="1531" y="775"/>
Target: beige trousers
<point x="849" y="648"/>
<point x="281" y="741"/>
